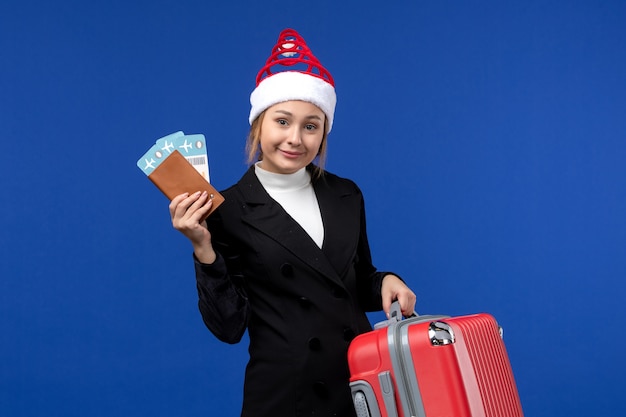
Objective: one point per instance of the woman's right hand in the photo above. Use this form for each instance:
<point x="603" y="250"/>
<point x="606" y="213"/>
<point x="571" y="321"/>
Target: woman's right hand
<point x="186" y="211"/>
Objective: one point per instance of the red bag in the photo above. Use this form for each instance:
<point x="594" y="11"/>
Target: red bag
<point x="433" y="366"/>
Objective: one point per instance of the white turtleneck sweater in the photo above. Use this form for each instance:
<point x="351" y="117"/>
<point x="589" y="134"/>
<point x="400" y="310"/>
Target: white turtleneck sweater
<point x="295" y="194"/>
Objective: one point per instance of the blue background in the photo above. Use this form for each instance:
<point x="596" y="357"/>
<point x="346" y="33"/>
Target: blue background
<point x="488" y="138"/>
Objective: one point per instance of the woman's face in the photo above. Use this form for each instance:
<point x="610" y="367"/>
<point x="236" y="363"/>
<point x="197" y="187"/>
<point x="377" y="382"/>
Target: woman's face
<point x="291" y="135"/>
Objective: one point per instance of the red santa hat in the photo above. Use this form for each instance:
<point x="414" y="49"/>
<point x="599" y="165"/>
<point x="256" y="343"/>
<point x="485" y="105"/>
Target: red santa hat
<point x="292" y="72"/>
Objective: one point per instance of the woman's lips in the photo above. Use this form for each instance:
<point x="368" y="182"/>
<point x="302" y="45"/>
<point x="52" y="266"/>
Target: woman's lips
<point x="289" y="154"/>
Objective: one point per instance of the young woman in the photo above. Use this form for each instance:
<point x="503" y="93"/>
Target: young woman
<point x="286" y="256"/>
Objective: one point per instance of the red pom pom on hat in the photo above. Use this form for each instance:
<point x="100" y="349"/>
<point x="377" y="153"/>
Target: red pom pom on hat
<point x="292" y="72"/>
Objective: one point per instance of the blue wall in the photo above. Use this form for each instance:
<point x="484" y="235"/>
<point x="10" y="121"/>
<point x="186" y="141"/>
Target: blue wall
<point x="489" y="140"/>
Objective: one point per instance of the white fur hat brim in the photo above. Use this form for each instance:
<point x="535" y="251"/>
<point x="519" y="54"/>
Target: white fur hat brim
<point x="293" y="85"/>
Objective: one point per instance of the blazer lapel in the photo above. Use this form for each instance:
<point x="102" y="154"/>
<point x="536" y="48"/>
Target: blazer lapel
<point x="340" y="209"/>
<point x="267" y="216"/>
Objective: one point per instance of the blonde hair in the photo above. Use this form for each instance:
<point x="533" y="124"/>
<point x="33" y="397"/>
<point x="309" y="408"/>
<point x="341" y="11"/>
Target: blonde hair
<point x="253" y="145"/>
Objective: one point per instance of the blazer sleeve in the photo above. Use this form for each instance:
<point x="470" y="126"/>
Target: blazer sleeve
<point x="369" y="279"/>
<point x="222" y="299"/>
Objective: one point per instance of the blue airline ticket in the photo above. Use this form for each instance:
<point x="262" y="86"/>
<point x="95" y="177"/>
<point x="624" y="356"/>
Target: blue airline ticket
<point x="192" y="147"/>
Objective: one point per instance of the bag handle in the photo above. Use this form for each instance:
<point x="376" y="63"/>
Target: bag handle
<point x="395" y="315"/>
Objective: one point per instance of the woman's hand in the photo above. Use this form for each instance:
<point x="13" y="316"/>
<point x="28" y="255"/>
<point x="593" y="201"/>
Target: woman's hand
<point x="393" y="288"/>
<point x="186" y="211"/>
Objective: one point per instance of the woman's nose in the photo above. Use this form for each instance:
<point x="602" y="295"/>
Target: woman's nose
<point x="295" y="137"/>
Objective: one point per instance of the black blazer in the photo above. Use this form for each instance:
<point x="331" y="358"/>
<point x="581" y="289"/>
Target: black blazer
<point x="302" y="305"/>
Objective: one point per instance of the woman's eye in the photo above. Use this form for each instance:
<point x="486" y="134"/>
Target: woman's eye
<point x="310" y="127"/>
<point x="282" y="122"/>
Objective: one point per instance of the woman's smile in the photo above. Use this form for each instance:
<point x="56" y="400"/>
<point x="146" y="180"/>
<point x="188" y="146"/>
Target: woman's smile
<point x="291" y="154"/>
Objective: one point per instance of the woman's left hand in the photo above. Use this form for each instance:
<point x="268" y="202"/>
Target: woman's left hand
<point x="393" y="288"/>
